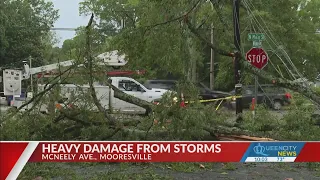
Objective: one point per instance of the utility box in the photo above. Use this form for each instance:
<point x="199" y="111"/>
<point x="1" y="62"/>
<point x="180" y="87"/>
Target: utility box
<point x="12" y="82"/>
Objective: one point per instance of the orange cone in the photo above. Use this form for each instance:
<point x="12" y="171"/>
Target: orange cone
<point x="182" y="104"/>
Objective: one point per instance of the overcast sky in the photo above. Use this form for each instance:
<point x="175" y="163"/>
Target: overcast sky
<point x="69" y="18"/>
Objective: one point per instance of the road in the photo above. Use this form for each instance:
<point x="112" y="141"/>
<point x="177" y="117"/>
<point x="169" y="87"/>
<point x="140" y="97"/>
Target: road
<point x="172" y="171"/>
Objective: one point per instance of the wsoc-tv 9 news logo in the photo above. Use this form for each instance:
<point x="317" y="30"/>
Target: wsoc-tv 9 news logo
<point x="273" y="151"/>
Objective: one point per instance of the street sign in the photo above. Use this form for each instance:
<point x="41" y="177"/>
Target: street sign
<point x="256" y="37"/>
<point x="257" y="57"/>
<point x="256" y="44"/>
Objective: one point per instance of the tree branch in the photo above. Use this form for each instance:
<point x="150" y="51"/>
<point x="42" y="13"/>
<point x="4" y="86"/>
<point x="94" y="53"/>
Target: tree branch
<point x="91" y="79"/>
<point x="131" y="18"/>
<point x="197" y="34"/>
<point x="174" y="19"/>
<point x="42" y="93"/>
<point x="131" y="99"/>
<point x="307" y="92"/>
<point x="215" y="5"/>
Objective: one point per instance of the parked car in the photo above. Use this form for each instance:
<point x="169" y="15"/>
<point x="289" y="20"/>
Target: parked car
<point x="269" y="94"/>
<point x="205" y="93"/>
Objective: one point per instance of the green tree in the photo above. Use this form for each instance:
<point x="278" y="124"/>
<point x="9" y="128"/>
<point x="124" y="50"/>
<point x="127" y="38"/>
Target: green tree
<point x="148" y="46"/>
<point x="24" y="30"/>
<point x="289" y="25"/>
<point x="72" y="48"/>
<point x="155" y="36"/>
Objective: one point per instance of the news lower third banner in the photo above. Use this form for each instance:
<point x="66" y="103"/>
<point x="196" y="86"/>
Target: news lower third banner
<point x="15" y="155"/>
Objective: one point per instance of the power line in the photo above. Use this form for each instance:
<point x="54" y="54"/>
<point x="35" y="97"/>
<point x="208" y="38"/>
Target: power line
<point x="248" y="4"/>
<point x="63" y="29"/>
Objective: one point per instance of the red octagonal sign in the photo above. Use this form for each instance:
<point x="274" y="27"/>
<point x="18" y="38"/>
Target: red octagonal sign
<point x="257" y="57"/>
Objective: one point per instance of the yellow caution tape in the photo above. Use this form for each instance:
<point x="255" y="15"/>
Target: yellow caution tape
<point x="213" y="100"/>
<point x="218" y="99"/>
<point x="219" y="105"/>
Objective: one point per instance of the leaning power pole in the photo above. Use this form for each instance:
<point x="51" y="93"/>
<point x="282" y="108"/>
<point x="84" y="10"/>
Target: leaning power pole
<point x="237" y="58"/>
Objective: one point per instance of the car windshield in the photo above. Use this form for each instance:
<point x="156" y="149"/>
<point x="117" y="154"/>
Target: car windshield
<point x="160" y="84"/>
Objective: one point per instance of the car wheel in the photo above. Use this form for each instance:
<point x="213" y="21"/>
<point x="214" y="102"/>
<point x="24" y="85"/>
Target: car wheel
<point x="277" y="105"/>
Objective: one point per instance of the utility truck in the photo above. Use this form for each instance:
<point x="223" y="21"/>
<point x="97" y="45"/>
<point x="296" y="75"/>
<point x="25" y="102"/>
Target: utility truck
<point x="72" y="95"/>
<point x="70" y="92"/>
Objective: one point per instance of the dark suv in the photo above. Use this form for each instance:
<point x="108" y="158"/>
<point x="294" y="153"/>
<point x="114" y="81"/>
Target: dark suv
<point x="269" y="94"/>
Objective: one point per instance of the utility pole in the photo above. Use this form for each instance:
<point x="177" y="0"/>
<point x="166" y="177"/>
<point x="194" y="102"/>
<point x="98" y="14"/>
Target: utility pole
<point x="31" y="79"/>
<point x="237" y="58"/>
<point x="212" y="62"/>
<point x="212" y="57"/>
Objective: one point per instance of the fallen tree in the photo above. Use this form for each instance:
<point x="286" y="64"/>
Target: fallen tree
<point x="306" y="91"/>
<point x="130" y="126"/>
<point x="117" y="126"/>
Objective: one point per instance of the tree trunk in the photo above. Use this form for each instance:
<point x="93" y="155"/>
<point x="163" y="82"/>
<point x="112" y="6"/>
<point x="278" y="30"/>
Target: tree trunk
<point x="192" y="69"/>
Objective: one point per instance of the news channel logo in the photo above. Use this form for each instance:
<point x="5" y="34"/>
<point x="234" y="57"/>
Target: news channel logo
<point x="260" y="150"/>
<point x="275" y="149"/>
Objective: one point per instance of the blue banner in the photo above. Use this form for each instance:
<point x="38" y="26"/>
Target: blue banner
<point x="273" y="149"/>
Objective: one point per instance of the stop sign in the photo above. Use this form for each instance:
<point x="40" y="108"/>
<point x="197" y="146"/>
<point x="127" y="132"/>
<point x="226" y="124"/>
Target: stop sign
<point x="257" y="57"/>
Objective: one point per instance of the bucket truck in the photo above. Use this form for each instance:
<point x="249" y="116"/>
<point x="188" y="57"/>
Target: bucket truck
<point x="104" y="93"/>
